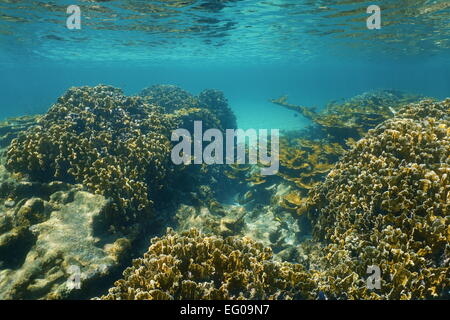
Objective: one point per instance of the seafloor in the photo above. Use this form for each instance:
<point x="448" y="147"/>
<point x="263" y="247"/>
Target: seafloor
<point x="84" y="187"/>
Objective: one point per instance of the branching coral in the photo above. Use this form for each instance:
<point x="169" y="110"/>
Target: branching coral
<point x="352" y="118"/>
<point x="387" y="203"/>
<point x="305" y="163"/>
<point x="190" y="265"/>
<point x="307" y="157"/>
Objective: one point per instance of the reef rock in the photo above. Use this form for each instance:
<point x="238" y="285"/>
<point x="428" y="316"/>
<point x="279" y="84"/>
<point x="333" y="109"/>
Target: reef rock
<point x="56" y="249"/>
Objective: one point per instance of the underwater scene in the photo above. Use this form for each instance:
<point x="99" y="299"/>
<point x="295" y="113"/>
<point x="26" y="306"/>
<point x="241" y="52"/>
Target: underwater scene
<point x="224" y="150"/>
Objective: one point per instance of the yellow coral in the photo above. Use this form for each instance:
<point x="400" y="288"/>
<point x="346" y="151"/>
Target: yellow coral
<point x="386" y="204"/>
<point x="191" y="265"/>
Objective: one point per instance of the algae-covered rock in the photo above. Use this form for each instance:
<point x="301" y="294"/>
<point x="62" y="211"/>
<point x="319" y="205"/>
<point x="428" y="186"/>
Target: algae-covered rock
<point x="190" y="265"/>
<point x="60" y="252"/>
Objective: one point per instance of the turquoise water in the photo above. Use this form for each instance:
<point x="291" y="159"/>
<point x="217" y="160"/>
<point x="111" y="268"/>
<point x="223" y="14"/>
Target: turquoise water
<point x="314" y="52"/>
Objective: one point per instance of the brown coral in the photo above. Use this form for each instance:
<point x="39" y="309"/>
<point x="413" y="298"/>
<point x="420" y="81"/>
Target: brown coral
<point x="307" y="156"/>
<point x="115" y="145"/>
<point x="190" y="265"/>
<point x="386" y="203"/>
<point x="10" y="128"/>
<point x="170" y="97"/>
<point x="173" y="98"/>
<point x="304" y="164"/>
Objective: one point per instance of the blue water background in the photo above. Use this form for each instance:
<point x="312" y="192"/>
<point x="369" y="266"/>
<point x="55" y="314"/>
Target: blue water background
<point x="29" y="89"/>
<point x="314" y="52"/>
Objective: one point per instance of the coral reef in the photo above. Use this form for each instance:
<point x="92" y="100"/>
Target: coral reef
<point x="370" y="182"/>
<point x="305" y="163"/>
<point x="386" y="203"/>
<point x="10" y="128"/>
<point x="173" y="98"/>
<point x="89" y="172"/>
<point x="215" y="102"/>
<point x="352" y="118"/>
<point x="170" y="97"/>
<point x="190" y="265"/>
<point x="267" y="223"/>
<point x="115" y="145"/>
